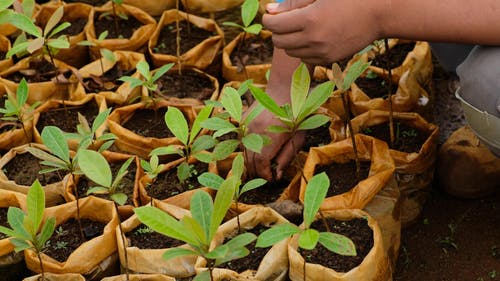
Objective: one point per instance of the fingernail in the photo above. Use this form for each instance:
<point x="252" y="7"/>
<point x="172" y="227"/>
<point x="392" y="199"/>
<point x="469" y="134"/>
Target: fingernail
<point x="271" y="7"/>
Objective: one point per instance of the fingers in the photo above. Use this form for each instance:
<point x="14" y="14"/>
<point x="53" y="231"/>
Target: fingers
<point x="258" y="166"/>
<point x="283" y="23"/>
<point x="287" y="5"/>
<point x="288" y="153"/>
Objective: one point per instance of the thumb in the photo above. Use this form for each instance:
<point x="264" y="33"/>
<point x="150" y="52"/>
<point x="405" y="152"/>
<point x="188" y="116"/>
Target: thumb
<point x="286" y="5"/>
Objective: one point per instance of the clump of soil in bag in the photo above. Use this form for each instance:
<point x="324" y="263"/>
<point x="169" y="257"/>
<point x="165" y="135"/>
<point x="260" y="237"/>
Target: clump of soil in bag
<point x="317" y="137"/>
<point x="66" y="117"/>
<point x="3" y="221"/>
<point x="265" y="194"/>
<point x="191" y="35"/>
<point x="343" y="176"/>
<point x="107" y="82"/>
<point x="376" y="87"/>
<point x="144" y="237"/>
<point x="126" y="27"/>
<point x="253" y="51"/>
<point x="149" y="123"/>
<point x="38" y="71"/>
<point x="407" y="139"/>
<point x="95" y="3"/>
<point x="24" y="169"/>
<point x="397" y="56"/>
<point x="357" y="230"/>
<point x="191" y="84"/>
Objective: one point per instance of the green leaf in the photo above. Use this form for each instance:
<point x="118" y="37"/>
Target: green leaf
<point x="120" y="198"/>
<point x="223" y="200"/>
<point x="195" y="230"/>
<point x="299" y="89"/>
<point x="266" y="101"/>
<point x="337" y="243"/>
<point x="59" y="28"/>
<point x="253" y="113"/>
<point x="163" y="223"/>
<point x="253" y="142"/>
<point x="316" y="98"/>
<point x="202" y="116"/>
<point x="58" y="43"/>
<point x="49" y="159"/>
<point x="20" y="245"/>
<point x="26" y="24"/>
<point x="17" y="48"/>
<point x="177" y="124"/>
<point x="160" y="71"/>
<point x="253" y="184"/>
<point x="224" y="131"/>
<point x="314" y="122"/>
<point x="143" y="68"/>
<point x="108" y="55"/>
<point x="202" y="276"/>
<point x="204" y="157"/>
<point x="218" y="253"/>
<point x="183" y="171"/>
<point x="210" y="180"/>
<point x="7" y="231"/>
<point x="201" y="207"/>
<point x="103" y="35"/>
<point x="254" y="29"/>
<point x="4" y="4"/>
<point x="308" y="239"/>
<point x="232" y="24"/>
<point x="166" y="150"/>
<point x="238" y="166"/>
<point x="15" y="217"/>
<point x="178" y="252"/>
<point x="35" y="204"/>
<point x="22" y="92"/>
<point x="223" y="149"/>
<point x="249" y="10"/>
<point x="231" y="101"/>
<point x="53" y="138"/>
<point x="241" y="240"/>
<point x="315" y="193"/>
<point x="97" y="190"/>
<point x="47" y="231"/>
<point x="123" y="169"/>
<point x="95" y="167"/>
<point x="354" y="71"/>
<point x="203" y="143"/>
<point x="54" y="20"/>
<point x="100" y="119"/>
<point x="276" y="234"/>
<point x="35" y="45"/>
<point x="5" y="16"/>
<point x="216" y="123"/>
<point x="234" y="254"/>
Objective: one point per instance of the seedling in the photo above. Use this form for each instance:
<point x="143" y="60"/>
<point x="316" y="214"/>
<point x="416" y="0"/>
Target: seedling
<point x="344" y="84"/>
<point x="301" y="113"/>
<point x="24" y="232"/>
<point x="14" y="111"/>
<point x="86" y="134"/>
<point x="249" y="10"/>
<point x="225" y="123"/>
<point x="5" y="12"/>
<point x="105" y="53"/>
<point x="150" y="79"/>
<point x="214" y="181"/>
<point x="192" y="144"/>
<point x="198" y="230"/>
<point x="96" y="168"/>
<point x="308" y="237"/>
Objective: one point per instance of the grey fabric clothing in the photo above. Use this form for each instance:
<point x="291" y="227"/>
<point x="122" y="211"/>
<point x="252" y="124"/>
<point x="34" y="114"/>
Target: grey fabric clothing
<point x="480" y="79"/>
<point x="450" y="55"/>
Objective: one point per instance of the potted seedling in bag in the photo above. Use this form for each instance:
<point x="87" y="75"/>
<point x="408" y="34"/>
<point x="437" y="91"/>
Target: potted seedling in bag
<point x="343" y="84"/>
<point x="193" y="144"/>
<point x="105" y="53"/>
<point x="249" y="10"/>
<point x="300" y="114"/>
<point x="214" y="181"/>
<point x="199" y="229"/>
<point x="309" y="237"/>
<point x="96" y="168"/>
<point x="27" y="230"/>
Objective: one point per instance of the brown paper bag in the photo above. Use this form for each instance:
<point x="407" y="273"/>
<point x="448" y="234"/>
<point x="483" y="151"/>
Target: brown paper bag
<point x="153" y="8"/>
<point x="414" y="171"/>
<point x="255" y="72"/>
<point x="53" y="192"/>
<point x="374" y="267"/>
<point x="56" y="277"/>
<point x="151" y="260"/>
<point x="125" y="60"/>
<point x="369" y="149"/>
<point x="89" y="255"/>
<point x="134" y="43"/>
<point x="76" y="55"/>
<point x="140" y="277"/>
<point x="10" y="199"/>
<point x="5" y="45"/>
<point x="274" y="265"/>
<point x="133" y="143"/>
<point x="200" y="56"/>
<point x="201" y="6"/>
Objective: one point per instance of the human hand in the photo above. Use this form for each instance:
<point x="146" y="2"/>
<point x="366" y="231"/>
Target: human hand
<point x="287" y="5"/>
<point x="324" y="31"/>
<point x="275" y="157"/>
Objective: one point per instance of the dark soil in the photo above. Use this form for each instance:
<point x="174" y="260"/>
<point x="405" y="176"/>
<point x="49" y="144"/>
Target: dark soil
<point x="3" y="221"/>
<point x="67" y="239"/>
<point x="253" y="51"/>
<point x="107" y="82"/>
<point x="2" y="55"/>
<point x="24" y="169"/>
<point x="149" y="123"/>
<point x="95" y="3"/>
<point x="252" y="261"/>
<point x="230" y="15"/>
<point x="357" y="230"/>
<point x="191" y="84"/>
<point x="126" y="184"/>
<point x="143" y="237"/>
<point x="317" y="137"/>
<point x="38" y="71"/>
<point x="126" y="27"/>
<point x="265" y="194"/>
<point x="407" y="139"/>
<point x="397" y="55"/>
<point x="66" y="118"/>
<point x="167" y="184"/>
<point x="191" y="35"/>
<point x="376" y="87"/>
<point x="75" y="28"/>
<point x="343" y="176"/>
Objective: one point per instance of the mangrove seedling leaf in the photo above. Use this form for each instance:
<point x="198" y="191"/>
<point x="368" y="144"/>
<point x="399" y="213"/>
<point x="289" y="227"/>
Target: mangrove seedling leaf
<point x="231" y="101"/>
<point x="202" y="207"/>
<point x="177" y="124"/>
<point x="178" y="252"/>
<point x="314" y="195"/>
<point x="223" y="200"/>
<point x="337" y="243"/>
<point x="53" y="138"/>
<point x="249" y="10"/>
<point x="210" y="180"/>
<point x="266" y="101"/>
<point x="253" y="142"/>
<point x="202" y="116"/>
<point x="314" y="122"/>
<point x="300" y="88"/>
<point x="315" y="99"/>
<point x="95" y="167"/>
<point x="276" y="234"/>
<point x="308" y="239"/>
<point x="252" y="184"/>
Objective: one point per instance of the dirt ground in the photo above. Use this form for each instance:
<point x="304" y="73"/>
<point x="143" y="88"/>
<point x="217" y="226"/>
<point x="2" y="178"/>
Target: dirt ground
<point x="454" y="239"/>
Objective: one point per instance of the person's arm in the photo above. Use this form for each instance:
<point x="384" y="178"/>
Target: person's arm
<point x="324" y="31"/>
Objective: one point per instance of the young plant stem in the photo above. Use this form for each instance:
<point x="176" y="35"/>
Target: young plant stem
<point x="345" y="103"/>
<point x="304" y="269"/>
<point x="237" y="216"/>
<point x="178" y="38"/>
<point x="211" y="270"/>
<point x="75" y="191"/>
<point x="52" y="61"/>
<point x="39" y="256"/>
<point x="391" y="112"/>
<point x="123" y="242"/>
<point x="323" y="219"/>
<point x="115" y="17"/>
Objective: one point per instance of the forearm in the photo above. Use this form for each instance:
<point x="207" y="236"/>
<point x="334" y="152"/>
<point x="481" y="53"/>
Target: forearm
<point x="280" y="79"/>
<point x="459" y="21"/>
